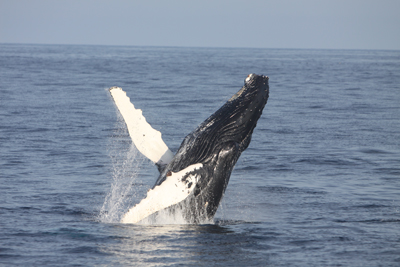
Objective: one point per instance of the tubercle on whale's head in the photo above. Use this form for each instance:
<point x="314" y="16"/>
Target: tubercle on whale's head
<point x="254" y="78"/>
<point x="248" y="78"/>
<point x="256" y="82"/>
<point x="252" y="84"/>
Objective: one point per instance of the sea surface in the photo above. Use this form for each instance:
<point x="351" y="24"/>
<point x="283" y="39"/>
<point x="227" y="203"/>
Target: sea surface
<point x="319" y="184"/>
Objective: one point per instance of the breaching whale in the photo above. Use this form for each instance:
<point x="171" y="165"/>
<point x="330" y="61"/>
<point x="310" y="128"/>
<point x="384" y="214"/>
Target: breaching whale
<point x="193" y="180"/>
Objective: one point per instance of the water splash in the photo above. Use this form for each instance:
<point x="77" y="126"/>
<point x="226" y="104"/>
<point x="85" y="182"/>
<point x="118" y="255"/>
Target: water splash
<point x="126" y="186"/>
<point x="180" y="213"/>
<point x="125" y="168"/>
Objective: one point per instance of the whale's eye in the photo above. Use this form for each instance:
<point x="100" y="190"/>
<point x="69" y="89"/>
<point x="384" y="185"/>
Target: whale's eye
<point x="169" y="173"/>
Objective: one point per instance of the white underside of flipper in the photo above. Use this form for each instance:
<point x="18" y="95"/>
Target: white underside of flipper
<point x="172" y="191"/>
<point x="146" y="139"/>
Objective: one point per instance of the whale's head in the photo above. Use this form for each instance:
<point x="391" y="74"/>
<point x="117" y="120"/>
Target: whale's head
<point x="239" y="116"/>
<point x="217" y="144"/>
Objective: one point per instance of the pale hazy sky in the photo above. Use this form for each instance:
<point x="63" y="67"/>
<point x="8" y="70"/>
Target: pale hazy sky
<point x="338" y="24"/>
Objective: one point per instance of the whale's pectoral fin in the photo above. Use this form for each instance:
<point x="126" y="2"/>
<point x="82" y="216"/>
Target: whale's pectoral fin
<point x="177" y="187"/>
<point x="146" y="139"/>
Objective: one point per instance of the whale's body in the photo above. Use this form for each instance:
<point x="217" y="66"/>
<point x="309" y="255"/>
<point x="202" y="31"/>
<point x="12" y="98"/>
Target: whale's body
<point x="193" y="181"/>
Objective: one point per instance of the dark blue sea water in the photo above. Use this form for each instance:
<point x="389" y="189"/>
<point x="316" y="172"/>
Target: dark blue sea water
<point x="319" y="184"/>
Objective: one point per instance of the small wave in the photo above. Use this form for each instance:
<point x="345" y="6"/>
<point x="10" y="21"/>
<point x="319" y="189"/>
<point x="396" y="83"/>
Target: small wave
<point x="224" y="222"/>
<point x="372" y="206"/>
<point x="374" y="151"/>
<point x="7" y="253"/>
<point x="326" y="161"/>
<point x="85" y="250"/>
<point x="370" y="221"/>
<point x="281" y="168"/>
<point x="289" y="190"/>
<point x="316" y="106"/>
<point x="390" y="171"/>
<point x="284" y="131"/>
<point x="248" y="168"/>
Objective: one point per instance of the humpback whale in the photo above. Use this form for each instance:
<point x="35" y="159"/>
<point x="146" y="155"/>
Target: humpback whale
<point x="193" y="180"/>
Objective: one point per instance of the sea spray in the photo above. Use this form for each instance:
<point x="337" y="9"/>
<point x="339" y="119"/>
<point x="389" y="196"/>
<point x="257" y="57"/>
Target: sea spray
<point x="126" y="186"/>
<point x="125" y="168"/>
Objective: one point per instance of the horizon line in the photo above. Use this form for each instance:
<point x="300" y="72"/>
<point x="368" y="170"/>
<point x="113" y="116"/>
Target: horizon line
<point x="205" y="47"/>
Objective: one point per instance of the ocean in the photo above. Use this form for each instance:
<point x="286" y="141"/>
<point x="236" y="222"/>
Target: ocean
<point x="319" y="184"/>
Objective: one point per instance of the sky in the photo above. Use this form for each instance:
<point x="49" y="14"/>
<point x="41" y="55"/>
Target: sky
<point x="305" y="24"/>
